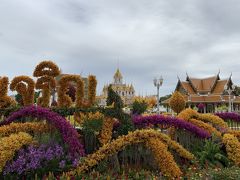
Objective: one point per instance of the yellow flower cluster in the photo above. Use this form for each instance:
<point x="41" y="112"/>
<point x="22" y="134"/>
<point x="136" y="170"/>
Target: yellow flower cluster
<point x="208" y="127"/>
<point x="182" y="152"/>
<point x="29" y="127"/>
<point x="151" y="101"/>
<point x="24" y="85"/>
<point x="208" y="122"/>
<point x="46" y="71"/>
<point x="63" y="99"/>
<point x="5" y="100"/>
<point x="138" y="136"/>
<point x="9" y="145"/>
<point x="177" y="102"/>
<point x="105" y="135"/>
<point x="214" y="120"/>
<point x="188" y="114"/>
<point x="164" y="158"/>
<point x="81" y="117"/>
<point x="236" y="133"/>
<point x="233" y="148"/>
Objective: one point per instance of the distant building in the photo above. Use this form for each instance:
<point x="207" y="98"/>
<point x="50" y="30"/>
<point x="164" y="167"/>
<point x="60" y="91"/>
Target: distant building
<point x="126" y="92"/>
<point x="210" y="91"/>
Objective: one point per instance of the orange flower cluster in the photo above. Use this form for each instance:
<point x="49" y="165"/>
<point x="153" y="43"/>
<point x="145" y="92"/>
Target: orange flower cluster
<point x="65" y="100"/>
<point x="29" y="127"/>
<point x="9" y="145"/>
<point x="46" y="71"/>
<point x="188" y="114"/>
<point x="5" y="100"/>
<point x="24" y="85"/>
<point x="46" y="68"/>
<point x="92" y="86"/>
<point x="106" y="132"/>
<point x="208" y="127"/>
<point x="233" y="148"/>
<point x="138" y="136"/>
<point x="164" y="158"/>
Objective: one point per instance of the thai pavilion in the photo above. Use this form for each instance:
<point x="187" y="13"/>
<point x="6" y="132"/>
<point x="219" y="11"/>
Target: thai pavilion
<point x="211" y="92"/>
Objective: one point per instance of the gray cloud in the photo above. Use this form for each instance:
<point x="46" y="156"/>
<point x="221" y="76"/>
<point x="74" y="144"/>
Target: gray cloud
<point x="149" y="38"/>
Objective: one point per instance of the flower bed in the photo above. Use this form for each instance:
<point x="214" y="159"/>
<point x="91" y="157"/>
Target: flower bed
<point x="141" y="122"/>
<point x="69" y="134"/>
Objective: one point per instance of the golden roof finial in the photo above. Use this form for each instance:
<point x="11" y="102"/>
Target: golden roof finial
<point x="118" y="74"/>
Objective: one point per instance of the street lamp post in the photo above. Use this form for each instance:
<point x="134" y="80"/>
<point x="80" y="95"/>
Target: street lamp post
<point x="229" y="91"/>
<point x="189" y="100"/>
<point x="157" y="83"/>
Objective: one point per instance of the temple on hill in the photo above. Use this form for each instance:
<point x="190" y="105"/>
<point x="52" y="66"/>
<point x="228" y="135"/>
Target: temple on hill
<point x="125" y="91"/>
<point x="212" y="92"/>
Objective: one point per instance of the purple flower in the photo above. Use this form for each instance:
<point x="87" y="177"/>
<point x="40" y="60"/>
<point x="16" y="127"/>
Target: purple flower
<point x="33" y="158"/>
<point x="201" y="106"/>
<point x="75" y="163"/>
<point x="229" y="116"/>
<point x="62" y="164"/>
<point x="145" y="121"/>
<point x="69" y="134"/>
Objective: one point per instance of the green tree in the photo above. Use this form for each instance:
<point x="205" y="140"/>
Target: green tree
<point x="126" y="124"/>
<point x="113" y="97"/>
<point x="139" y="107"/>
<point x="236" y="91"/>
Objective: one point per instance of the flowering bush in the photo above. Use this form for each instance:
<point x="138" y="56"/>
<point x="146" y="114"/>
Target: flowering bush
<point x="89" y="116"/>
<point x="141" y="122"/>
<point x="229" y="116"/>
<point x="210" y="129"/>
<point x="69" y="134"/>
<point x="164" y="158"/>
<point x="201" y="106"/>
<point x="34" y="159"/>
<point x="177" y="102"/>
<point x="120" y="143"/>
<point x="217" y="122"/>
<point x="233" y="148"/>
<point x="105" y="135"/>
<point x="36" y="127"/>
<point x="236" y="133"/>
<point x="9" y="145"/>
<point x="188" y="114"/>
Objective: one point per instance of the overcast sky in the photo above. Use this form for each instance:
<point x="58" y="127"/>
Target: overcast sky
<point x="148" y="37"/>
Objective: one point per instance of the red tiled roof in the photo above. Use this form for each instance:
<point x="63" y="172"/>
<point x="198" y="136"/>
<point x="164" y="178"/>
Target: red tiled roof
<point x="219" y="88"/>
<point x="205" y="84"/>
